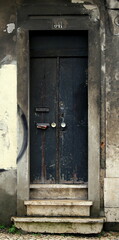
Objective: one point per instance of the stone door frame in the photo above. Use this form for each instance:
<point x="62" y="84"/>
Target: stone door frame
<point x="66" y="23"/>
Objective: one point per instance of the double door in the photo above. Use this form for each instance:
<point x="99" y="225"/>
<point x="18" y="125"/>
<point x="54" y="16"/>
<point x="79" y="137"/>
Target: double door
<point x="58" y="108"/>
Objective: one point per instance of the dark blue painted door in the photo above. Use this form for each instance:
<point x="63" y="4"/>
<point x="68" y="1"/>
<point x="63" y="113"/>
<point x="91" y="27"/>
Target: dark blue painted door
<point x="59" y="108"/>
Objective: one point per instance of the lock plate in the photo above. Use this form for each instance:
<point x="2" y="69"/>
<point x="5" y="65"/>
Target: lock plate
<point x="42" y="126"/>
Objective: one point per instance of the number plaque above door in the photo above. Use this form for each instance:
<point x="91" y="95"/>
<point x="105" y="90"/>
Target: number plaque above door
<point x="59" y="23"/>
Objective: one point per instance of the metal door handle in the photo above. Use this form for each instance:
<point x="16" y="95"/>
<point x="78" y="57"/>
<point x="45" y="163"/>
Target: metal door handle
<point x="42" y="125"/>
<point x="53" y="125"/>
<point x="63" y="124"/>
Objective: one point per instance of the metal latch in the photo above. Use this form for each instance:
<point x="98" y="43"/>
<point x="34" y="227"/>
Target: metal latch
<point x="42" y="109"/>
<point x="42" y="125"/>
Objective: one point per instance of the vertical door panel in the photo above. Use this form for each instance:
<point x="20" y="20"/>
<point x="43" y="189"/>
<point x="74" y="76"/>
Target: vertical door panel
<point x="42" y="142"/>
<point x="73" y="110"/>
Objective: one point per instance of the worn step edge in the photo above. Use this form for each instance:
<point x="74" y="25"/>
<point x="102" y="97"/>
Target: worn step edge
<point x="58" y="210"/>
<point x="59" y="219"/>
<point x="38" y="186"/>
<point x="60" y="225"/>
<point x="58" y="202"/>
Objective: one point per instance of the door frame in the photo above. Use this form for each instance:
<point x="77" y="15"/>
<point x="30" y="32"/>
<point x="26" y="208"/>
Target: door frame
<point x="57" y="56"/>
<point x="64" y="23"/>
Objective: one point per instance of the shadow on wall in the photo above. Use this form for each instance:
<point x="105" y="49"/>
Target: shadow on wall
<point x="8" y="200"/>
<point x="7" y="207"/>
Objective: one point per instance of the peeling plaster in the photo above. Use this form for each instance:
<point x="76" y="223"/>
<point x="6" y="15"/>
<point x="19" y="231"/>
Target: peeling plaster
<point x="93" y="11"/>
<point x="90" y="6"/>
<point x="7" y="60"/>
<point x="77" y="1"/>
<point x="82" y="1"/>
<point x="103" y="68"/>
<point x="95" y="14"/>
<point x="10" y="28"/>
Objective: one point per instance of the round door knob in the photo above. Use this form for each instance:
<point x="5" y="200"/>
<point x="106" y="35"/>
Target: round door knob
<point x="53" y="125"/>
<point x="63" y="124"/>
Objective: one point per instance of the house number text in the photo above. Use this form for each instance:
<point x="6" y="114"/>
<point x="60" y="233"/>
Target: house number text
<point x="58" y="25"/>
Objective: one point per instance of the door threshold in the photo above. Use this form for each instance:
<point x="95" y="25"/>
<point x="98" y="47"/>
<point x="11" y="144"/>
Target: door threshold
<point x="59" y="186"/>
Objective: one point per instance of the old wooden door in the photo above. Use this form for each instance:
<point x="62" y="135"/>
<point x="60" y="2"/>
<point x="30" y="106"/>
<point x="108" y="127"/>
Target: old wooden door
<point x="58" y="107"/>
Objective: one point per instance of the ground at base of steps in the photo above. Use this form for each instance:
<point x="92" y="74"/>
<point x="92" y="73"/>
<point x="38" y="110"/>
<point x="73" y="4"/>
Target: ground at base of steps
<point x="5" y="235"/>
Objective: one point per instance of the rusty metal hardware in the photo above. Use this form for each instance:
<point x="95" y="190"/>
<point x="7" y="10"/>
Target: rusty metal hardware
<point x="42" y="125"/>
<point x="42" y="109"/>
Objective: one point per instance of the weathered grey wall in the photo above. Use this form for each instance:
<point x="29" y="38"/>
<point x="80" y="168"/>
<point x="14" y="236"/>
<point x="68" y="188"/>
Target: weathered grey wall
<point x="109" y="164"/>
<point x="112" y="113"/>
<point x="7" y="196"/>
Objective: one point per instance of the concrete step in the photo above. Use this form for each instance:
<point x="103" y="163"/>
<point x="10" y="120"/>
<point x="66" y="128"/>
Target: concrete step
<point x="59" y="224"/>
<point x="58" y="208"/>
<point x="59" y="191"/>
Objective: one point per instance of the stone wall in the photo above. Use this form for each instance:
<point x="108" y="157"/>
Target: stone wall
<point x="112" y="113"/>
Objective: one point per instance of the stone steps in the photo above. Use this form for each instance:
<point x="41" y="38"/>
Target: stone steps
<point x="58" y="208"/>
<point x="59" y="191"/>
<point x="59" y="224"/>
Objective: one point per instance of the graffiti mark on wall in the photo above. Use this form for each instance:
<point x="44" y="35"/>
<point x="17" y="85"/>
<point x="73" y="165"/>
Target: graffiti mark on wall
<point x="3" y="170"/>
<point x="25" y="133"/>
